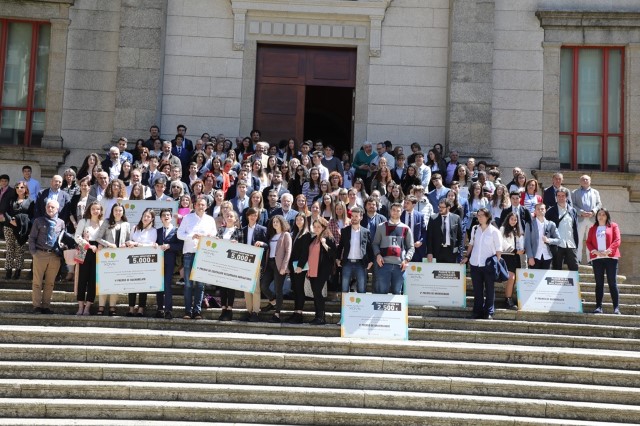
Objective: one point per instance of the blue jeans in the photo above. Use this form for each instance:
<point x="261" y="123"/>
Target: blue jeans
<point x="484" y="294"/>
<point x="389" y="278"/>
<point x="354" y="269"/>
<point x="192" y="289"/>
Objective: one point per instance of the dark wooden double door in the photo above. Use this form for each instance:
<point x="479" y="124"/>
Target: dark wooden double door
<point x="306" y="93"/>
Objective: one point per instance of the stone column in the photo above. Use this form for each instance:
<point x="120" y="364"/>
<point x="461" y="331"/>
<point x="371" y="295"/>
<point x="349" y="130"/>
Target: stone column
<point x="632" y="108"/>
<point x="470" y="77"/>
<point x="551" y="106"/>
<point x="52" y="137"/>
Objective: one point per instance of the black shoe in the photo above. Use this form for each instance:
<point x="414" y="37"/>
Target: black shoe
<point x="295" y="318"/>
<point x="318" y="321"/>
<point x="46" y="311"/>
<point x="16" y="275"/>
<point x="269" y="307"/>
<point x="7" y="275"/>
<point x="511" y="304"/>
<point x="159" y="313"/>
<point x="226" y="315"/>
<point x="275" y="319"/>
<point x="245" y="317"/>
<point x="168" y="315"/>
<point x="254" y="317"/>
<point x="37" y="311"/>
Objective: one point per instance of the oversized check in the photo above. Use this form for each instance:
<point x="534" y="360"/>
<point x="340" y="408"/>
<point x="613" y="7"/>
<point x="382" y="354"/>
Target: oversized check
<point x="436" y="284"/>
<point x="134" y="209"/>
<point x="548" y="291"/>
<point x="129" y="270"/>
<point x="375" y="316"/>
<point x="226" y="264"/>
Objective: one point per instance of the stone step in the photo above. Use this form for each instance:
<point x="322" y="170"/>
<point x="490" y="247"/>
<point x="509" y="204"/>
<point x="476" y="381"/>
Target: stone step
<point x="312" y="396"/>
<point x="272" y="413"/>
<point x="147" y="346"/>
<point x="105" y="422"/>
<point x="28" y="372"/>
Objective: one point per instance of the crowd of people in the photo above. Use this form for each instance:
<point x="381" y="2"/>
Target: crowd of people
<point x="323" y="220"/>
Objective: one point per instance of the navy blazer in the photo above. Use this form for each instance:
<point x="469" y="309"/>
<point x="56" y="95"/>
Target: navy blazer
<point x="366" y="249"/>
<point x="259" y="234"/>
<point x="184" y="157"/>
<point x="419" y="231"/>
<point x="553" y="214"/>
<point x="433" y="199"/>
<point x="64" y="199"/>
<point x="175" y="244"/>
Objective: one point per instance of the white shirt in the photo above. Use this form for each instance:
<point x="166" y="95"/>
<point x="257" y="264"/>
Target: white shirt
<point x="145" y="237"/>
<point x="601" y="237"/>
<point x="485" y="244"/>
<point x="447" y="226"/>
<point x="543" y="249"/>
<point x="354" y="250"/>
<point x="250" y="230"/>
<point x="193" y="224"/>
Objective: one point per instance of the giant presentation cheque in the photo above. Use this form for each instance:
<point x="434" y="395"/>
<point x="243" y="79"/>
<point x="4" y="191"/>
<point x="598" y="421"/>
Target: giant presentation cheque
<point x="135" y="208"/>
<point x="436" y="284"/>
<point x="231" y="265"/>
<point x="548" y="291"/>
<point x="375" y="316"/>
<point x="129" y="270"/>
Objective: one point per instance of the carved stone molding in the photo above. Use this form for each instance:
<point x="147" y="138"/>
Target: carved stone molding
<point x="317" y="19"/>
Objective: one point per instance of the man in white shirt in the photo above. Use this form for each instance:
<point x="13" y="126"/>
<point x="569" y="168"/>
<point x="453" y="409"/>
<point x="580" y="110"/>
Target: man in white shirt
<point x="316" y="158"/>
<point x="193" y="227"/>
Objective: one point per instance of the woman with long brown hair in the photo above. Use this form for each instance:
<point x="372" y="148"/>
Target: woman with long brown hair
<point x="322" y="254"/>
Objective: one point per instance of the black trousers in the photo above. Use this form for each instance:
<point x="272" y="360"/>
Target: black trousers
<point x="318" y="300"/>
<point x="568" y="256"/>
<point x="297" y="283"/>
<point x="142" y="300"/>
<point x="447" y="255"/>
<point x="87" y="277"/>
<point x="227" y="296"/>
<point x="542" y="264"/>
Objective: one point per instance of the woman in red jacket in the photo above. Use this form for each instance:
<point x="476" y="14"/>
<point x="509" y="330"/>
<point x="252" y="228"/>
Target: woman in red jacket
<point x="603" y="243"/>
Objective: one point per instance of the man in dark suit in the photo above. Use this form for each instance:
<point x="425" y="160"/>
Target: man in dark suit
<point x="523" y="215"/>
<point x="417" y="222"/>
<point x="549" y="196"/>
<point x="182" y="153"/>
<point x="355" y="253"/>
<point x="566" y="219"/>
<point x="254" y="235"/>
<point x="53" y="193"/>
<point x="182" y="131"/>
<point x="158" y="190"/>
<point x="276" y="183"/>
<point x="444" y="235"/>
<point x="167" y="240"/>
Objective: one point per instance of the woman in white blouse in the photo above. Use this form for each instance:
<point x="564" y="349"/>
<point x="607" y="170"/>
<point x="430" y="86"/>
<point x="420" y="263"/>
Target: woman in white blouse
<point x="86" y="237"/>
<point x="142" y="235"/>
<point x="485" y="242"/>
<point x="114" y="232"/>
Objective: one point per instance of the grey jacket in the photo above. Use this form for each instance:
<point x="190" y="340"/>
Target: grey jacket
<point x="531" y="239"/>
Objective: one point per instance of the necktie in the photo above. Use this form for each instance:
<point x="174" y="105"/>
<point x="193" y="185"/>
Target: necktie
<point x="179" y="150"/>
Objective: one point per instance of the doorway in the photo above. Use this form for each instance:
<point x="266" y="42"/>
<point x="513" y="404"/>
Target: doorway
<point x="306" y="93"/>
<point x="327" y="116"/>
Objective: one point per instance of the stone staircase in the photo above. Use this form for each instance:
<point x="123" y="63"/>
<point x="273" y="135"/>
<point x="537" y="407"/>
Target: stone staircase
<point x="520" y="369"/>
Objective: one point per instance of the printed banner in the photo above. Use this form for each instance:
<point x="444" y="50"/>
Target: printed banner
<point x="375" y="316"/>
<point x="129" y="270"/>
<point x="226" y="264"/>
<point x="134" y="209"/>
<point x="436" y="284"/>
<point x="548" y="291"/>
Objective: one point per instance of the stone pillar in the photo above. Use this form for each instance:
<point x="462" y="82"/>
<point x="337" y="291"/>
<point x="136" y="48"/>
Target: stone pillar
<point x="551" y="106"/>
<point x="632" y="108"/>
<point x="52" y="137"/>
<point x="140" y="68"/>
<point x="470" y="77"/>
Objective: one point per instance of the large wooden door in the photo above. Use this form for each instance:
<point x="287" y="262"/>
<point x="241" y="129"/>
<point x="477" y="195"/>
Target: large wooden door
<point x="282" y="74"/>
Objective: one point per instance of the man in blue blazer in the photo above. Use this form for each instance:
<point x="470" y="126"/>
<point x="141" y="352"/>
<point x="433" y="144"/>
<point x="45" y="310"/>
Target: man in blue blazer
<point x="254" y="235"/>
<point x="438" y="193"/>
<point x="285" y="209"/>
<point x="356" y="262"/>
<point x="538" y="245"/>
<point x="167" y="240"/>
<point x="55" y="193"/>
<point x="417" y="222"/>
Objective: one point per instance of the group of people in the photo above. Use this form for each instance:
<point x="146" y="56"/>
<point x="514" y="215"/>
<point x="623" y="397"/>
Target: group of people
<point x="322" y="219"/>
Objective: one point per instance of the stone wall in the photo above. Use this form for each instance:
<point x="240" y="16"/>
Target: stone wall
<point x="202" y="72"/>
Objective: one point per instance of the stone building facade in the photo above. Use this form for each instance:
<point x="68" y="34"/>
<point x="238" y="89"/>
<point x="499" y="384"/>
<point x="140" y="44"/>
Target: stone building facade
<point x="483" y="77"/>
